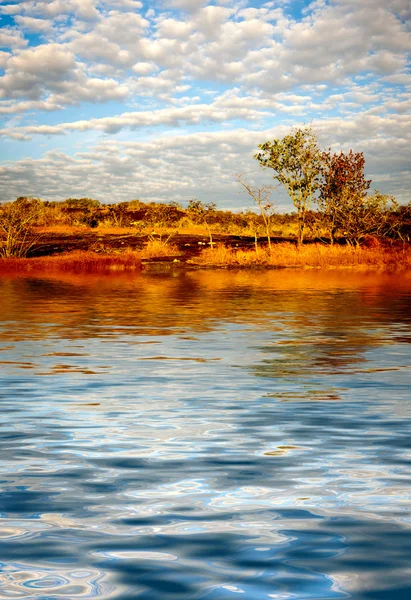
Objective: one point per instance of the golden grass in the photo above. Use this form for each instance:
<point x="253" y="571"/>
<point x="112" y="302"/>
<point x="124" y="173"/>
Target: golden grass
<point x="308" y="256"/>
<point x="62" y="229"/>
<point x="103" y="230"/>
<point x="281" y="255"/>
<point x="74" y="261"/>
<point x="158" y="248"/>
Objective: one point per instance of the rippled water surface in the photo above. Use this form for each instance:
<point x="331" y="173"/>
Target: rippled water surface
<point x="205" y="435"/>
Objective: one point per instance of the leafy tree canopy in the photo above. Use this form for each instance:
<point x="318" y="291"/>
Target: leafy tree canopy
<point x="297" y="163"/>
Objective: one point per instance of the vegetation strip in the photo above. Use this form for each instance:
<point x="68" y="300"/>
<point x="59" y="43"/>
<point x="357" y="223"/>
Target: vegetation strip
<point x="350" y="227"/>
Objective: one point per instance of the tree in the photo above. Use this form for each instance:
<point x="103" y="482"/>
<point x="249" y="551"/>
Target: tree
<point x="297" y="163"/>
<point x="356" y="216"/>
<point x="342" y="187"/>
<point x="163" y="215"/>
<point x="81" y="203"/>
<point x="402" y="219"/>
<point x="82" y="210"/>
<point x="261" y="196"/>
<point x="17" y="218"/>
<point x="202" y="212"/>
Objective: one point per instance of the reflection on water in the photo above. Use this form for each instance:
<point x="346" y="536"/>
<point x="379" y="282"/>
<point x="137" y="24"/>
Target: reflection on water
<point x="205" y="435"/>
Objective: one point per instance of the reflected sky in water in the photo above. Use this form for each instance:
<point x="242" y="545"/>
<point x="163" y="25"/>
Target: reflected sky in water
<point x="205" y="434"/>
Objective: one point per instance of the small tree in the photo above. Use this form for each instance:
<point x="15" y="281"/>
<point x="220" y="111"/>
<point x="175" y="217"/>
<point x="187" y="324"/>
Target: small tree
<point x="17" y="218"/>
<point x="402" y="219"/>
<point x="163" y="215"/>
<point x="203" y="213"/>
<point x="261" y="196"/>
<point x="297" y="162"/>
<point x="356" y="216"/>
<point x="342" y="187"/>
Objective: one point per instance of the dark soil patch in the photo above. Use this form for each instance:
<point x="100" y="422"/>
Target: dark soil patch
<point x="189" y="245"/>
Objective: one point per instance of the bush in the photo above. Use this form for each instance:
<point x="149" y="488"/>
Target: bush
<point x="17" y="218"/>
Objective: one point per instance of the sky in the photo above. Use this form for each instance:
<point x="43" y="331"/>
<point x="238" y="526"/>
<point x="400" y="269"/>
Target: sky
<point x="167" y="100"/>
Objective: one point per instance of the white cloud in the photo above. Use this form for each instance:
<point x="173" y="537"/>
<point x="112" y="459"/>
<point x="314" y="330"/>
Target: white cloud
<point x="204" y="165"/>
<point x="188" y="5"/>
<point x="4" y="56"/>
<point x="33" y="24"/>
<point x="10" y="9"/>
<point x="85" y="9"/>
<point x="31" y="71"/>
<point x="10" y="107"/>
<point x="11" y="38"/>
<point x="52" y="69"/>
<point x="224" y="109"/>
<point x="172" y="167"/>
<point x="344" y="63"/>
<point x="125" y="4"/>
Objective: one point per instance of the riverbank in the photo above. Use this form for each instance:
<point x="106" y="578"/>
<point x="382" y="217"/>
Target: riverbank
<point x="162" y="253"/>
<point x="316" y="255"/>
<point x="79" y="260"/>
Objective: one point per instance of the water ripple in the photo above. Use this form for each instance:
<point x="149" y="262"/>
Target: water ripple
<point x="205" y="435"/>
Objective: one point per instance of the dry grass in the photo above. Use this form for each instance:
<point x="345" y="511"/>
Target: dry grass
<point x="103" y="230"/>
<point x="62" y="229"/>
<point x="308" y="256"/>
<point x="74" y="261"/>
<point x="281" y="255"/>
<point x="100" y="231"/>
<point x="158" y="248"/>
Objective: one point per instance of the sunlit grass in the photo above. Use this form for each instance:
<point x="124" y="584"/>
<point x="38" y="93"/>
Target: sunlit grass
<point x="185" y="226"/>
<point x="74" y="261"/>
<point x="63" y="229"/>
<point x="281" y="255"/>
<point x="308" y="256"/>
<point x="158" y="248"/>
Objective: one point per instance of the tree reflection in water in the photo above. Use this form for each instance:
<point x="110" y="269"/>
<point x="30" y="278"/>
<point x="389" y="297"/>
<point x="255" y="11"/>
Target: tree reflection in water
<point x="200" y="434"/>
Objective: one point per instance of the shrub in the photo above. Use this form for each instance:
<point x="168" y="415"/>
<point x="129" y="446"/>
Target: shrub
<point x="17" y="218"/>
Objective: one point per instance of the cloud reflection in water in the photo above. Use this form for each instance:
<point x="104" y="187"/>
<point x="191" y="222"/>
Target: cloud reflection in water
<point x="205" y="435"/>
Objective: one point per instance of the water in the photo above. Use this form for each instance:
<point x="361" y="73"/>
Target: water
<point x="205" y="435"/>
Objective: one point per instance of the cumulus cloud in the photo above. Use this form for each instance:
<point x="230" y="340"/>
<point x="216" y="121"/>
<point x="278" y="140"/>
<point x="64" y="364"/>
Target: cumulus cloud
<point x="168" y="116"/>
<point x="31" y="71"/>
<point x="11" y="38"/>
<point x="198" y="64"/>
<point x="52" y="70"/>
<point x="10" y="9"/>
<point x="169" y="167"/>
<point x="188" y="5"/>
<point x="33" y="24"/>
<point x="85" y="9"/>
<point x="224" y="109"/>
<point x="259" y="48"/>
<point x="204" y="164"/>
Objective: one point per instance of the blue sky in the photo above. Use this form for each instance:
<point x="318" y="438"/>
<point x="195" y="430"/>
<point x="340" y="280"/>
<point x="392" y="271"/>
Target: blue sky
<point x="168" y="100"/>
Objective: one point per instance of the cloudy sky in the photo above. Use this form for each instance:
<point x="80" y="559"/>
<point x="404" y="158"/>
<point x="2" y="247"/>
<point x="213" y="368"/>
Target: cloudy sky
<point x="168" y="99"/>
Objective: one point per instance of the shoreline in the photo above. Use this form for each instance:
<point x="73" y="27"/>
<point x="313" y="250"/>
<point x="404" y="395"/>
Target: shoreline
<point x="121" y="251"/>
<point x="282" y="256"/>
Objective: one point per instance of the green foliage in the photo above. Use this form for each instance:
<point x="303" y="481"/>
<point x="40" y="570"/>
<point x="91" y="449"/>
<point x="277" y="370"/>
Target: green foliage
<point x="297" y="164"/>
<point x="17" y="219"/>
